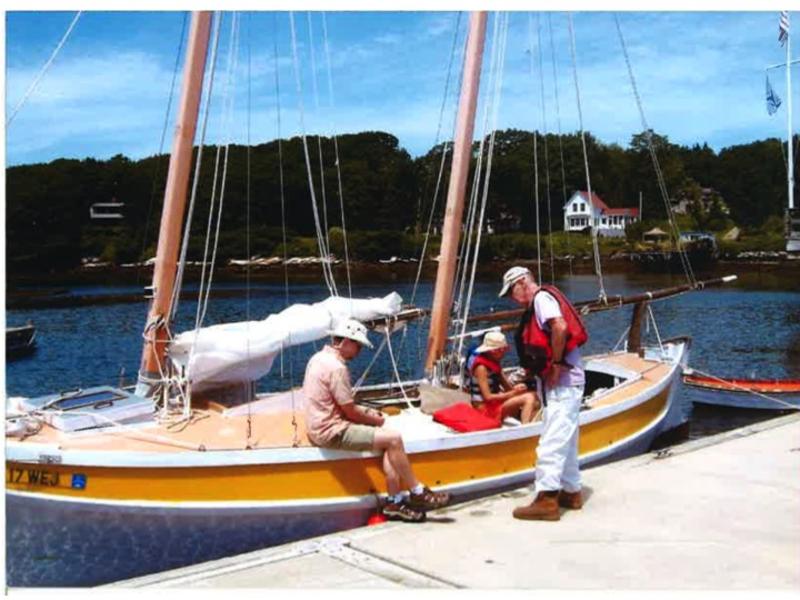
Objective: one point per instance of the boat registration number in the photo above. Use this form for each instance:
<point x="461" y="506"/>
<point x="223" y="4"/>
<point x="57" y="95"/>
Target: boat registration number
<point x="33" y="477"/>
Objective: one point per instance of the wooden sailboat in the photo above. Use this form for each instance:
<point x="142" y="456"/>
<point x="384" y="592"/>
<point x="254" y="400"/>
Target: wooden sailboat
<point x="104" y="489"/>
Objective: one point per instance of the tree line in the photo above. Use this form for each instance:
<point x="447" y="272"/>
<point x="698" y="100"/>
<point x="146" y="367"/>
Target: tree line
<point x="387" y="194"/>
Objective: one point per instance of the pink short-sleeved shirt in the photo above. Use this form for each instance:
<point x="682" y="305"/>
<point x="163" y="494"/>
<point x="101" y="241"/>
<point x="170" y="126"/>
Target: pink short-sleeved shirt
<point x="326" y="387"/>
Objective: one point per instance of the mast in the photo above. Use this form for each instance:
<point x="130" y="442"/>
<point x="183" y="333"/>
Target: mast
<point x="172" y="213"/>
<point x="790" y="144"/>
<point x="462" y="151"/>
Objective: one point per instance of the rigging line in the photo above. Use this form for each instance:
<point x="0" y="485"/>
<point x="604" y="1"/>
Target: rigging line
<point x="546" y="154"/>
<point x="161" y="143"/>
<point x="469" y="228"/>
<point x="226" y="121"/>
<point x="560" y="136"/>
<point x="595" y="247"/>
<point x="445" y="149"/>
<point x="295" y="436"/>
<point x="319" y="137"/>
<point x="44" y="69"/>
<point x="196" y="178"/>
<point x="247" y="216"/>
<point x="466" y="241"/>
<point x="394" y="366"/>
<point x="375" y="356"/>
<point x="463" y="300"/>
<point x="336" y="154"/>
<point x="686" y="264"/>
<point x="326" y="271"/>
<point x="535" y="162"/>
<point x="490" y="153"/>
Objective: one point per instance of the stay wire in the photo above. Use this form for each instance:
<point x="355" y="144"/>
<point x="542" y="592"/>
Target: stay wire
<point x="597" y="266"/>
<point x="227" y="123"/>
<point x="685" y="262"/>
<point x="495" y="102"/>
<point x="535" y="163"/>
<point x="560" y="136"/>
<point x="443" y="160"/>
<point x="295" y="435"/>
<point x="196" y="177"/>
<point x="319" y="138"/>
<point x="546" y="154"/>
<point x="156" y="160"/>
<point x="336" y="155"/>
<point x="326" y="270"/>
<point x="44" y="69"/>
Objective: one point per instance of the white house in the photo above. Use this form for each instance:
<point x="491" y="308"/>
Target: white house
<point x="579" y="213"/>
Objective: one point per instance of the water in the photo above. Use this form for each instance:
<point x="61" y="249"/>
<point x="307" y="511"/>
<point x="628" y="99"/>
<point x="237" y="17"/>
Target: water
<point x="739" y="330"/>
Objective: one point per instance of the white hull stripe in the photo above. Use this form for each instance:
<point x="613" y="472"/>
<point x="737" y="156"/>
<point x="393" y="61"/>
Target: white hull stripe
<point x="285" y="506"/>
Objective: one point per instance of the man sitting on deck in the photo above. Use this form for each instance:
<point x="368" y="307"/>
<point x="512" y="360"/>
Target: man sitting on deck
<point x="489" y="388"/>
<point x="334" y="420"/>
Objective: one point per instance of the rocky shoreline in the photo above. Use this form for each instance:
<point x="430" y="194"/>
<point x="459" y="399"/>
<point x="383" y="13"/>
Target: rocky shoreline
<point x="40" y="291"/>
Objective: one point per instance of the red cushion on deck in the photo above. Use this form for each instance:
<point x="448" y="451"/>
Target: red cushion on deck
<point x="463" y="417"/>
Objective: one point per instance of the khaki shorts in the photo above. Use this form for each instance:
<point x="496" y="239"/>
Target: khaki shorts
<point x="355" y="437"/>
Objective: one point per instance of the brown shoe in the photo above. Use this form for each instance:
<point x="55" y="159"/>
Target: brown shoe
<point x="429" y="500"/>
<point x="543" y="508"/>
<point x="573" y="500"/>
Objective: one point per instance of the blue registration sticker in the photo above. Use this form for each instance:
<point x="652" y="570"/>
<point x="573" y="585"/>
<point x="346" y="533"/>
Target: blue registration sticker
<point x="79" y="481"/>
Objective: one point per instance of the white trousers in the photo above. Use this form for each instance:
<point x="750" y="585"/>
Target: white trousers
<point x="557" y="454"/>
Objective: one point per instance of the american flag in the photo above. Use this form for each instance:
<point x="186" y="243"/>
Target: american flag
<point x="783" y="27"/>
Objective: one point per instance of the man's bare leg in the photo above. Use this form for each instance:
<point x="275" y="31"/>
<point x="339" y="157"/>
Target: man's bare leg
<point x="391" y="443"/>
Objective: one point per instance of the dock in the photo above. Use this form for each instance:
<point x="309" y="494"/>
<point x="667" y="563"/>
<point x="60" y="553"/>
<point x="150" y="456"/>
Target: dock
<point x="718" y="513"/>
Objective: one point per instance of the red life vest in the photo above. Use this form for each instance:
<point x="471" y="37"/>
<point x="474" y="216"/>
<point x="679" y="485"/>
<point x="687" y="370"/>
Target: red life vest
<point x="494" y="369"/>
<point x="533" y="343"/>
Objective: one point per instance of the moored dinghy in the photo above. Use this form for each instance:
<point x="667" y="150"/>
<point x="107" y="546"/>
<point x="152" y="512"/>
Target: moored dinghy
<point x="764" y="394"/>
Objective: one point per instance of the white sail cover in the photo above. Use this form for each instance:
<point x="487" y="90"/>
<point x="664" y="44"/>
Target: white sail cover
<point x="236" y="352"/>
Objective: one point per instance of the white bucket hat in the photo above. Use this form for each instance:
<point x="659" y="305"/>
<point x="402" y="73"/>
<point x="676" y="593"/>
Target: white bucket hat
<point x="493" y="340"/>
<point x="352" y="330"/>
<point x="511" y="276"/>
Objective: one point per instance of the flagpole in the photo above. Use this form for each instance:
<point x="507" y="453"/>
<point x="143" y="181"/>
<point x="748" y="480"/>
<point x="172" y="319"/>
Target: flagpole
<point x="789" y="111"/>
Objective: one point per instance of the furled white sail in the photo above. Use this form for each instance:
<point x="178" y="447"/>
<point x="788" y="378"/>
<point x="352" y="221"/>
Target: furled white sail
<point x="234" y="352"/>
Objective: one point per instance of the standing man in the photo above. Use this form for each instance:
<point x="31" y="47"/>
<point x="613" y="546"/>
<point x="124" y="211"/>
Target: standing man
<point x="335" y="421"/>
<point x="547" y="339"/>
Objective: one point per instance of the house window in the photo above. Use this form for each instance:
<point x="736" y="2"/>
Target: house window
<point x="583" y="207"/>
<point x="575" y="207"/>
<point x="605" y="221"/>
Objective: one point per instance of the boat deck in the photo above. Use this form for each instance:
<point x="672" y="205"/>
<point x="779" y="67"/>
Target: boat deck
<point x="278" y="421"/>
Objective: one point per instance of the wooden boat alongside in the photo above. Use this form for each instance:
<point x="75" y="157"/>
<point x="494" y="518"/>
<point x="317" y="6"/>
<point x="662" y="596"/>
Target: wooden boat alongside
<point x="144" y="496"/>
<point x="764" y="394"/>
<point x="20" y="341"/>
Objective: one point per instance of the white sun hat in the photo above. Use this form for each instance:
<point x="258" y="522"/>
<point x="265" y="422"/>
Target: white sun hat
<point x="352" y="330"/>
<point x="493" y="340"/>
<point x="511" y="276"/>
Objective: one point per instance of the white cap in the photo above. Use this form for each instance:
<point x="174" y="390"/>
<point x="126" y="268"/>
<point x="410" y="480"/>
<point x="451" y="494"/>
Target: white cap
<point x="352" y="330"/>
<point x="511" y="276"/>
<point x="493" y="340"/>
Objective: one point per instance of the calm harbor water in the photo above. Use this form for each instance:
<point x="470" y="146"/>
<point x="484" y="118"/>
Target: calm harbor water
<point x="747" y="329"/>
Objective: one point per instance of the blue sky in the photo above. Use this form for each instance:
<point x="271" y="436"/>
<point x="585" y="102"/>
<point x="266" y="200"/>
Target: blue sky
<point x="700" y="76"/>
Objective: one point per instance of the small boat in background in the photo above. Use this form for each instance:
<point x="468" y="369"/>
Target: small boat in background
<point x="769" y="394"/>
<point x="20" y="341"/>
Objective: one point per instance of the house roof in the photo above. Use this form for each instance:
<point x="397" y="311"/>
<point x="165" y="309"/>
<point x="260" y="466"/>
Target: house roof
<point x="596" y="200"/>
<point x="604" y="208"/>
<point x="631" y="212"/>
